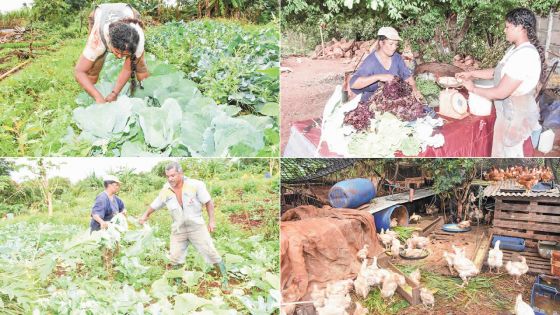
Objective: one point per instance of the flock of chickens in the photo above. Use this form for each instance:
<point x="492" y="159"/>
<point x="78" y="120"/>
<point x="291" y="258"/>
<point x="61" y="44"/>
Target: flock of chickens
<point x="335" y="298"/>
<point x="522" y="175"/>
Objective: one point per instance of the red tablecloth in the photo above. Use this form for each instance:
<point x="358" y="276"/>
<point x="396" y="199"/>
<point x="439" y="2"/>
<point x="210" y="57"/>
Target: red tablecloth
<point x="468" y="137"/>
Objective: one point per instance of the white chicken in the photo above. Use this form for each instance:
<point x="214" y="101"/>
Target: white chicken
<point x="376" y="277"/>
<point x="394" y="222"/>
<point x="373" y="265"/>
<point x="385" y="238"/>
<point x="362" y="253"/>
<point x="360" y="310"/>
<point x="414" y="217"/>
<point x="361" y="286"/>
<point x="464" y="224"/>
<point x="395" y="248"/>
<point x="522" y="308"/>
<point x="427" y="297"/>
<point x="332" y="307"/>
<point x="392" y="233"/>
<point x="415" y="276"/>
<point x="449" y="259"/>
<point x="517" y="268"/>
<point x="390" y="285"/>
<point x="340" y="287"/>
<point x="418" y="241"/>
<point x="464" y="266"/>
<point x="495" y="257"/>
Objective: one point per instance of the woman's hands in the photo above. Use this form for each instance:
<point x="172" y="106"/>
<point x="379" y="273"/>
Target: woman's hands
<point x="111" y="97"/>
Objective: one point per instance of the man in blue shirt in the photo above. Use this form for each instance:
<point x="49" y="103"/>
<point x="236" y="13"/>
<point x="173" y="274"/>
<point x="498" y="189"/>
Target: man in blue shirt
<point x="382" y="65"/>
<point x="107" y="204"/>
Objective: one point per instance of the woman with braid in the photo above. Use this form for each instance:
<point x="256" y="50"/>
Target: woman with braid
<point x="515" y="81"/>
<point x="115" y="28"/>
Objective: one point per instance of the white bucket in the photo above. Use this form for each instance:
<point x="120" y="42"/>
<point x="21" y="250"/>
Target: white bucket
<point x="546" y="141"/>
<point x="478" y="105"/>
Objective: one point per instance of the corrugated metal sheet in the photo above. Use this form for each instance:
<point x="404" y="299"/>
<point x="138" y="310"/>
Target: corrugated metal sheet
<point x="513" y="189"/>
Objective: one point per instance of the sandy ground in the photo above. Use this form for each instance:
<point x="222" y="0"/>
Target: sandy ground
<point x="305" y="90"/>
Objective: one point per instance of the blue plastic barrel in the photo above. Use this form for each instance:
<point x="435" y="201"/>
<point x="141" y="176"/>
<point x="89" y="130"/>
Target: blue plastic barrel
<point x="351" y="193"/>
<point x="383" y="218"/>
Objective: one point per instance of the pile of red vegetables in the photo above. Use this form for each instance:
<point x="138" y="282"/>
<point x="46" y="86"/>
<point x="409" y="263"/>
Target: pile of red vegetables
<point x="359" y="117"/>
<point x="397" y="98"/>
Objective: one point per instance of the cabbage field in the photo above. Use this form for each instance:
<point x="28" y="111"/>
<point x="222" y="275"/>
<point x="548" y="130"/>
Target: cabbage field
<point x="213" y="91"/>
<point x="52" y="265"/>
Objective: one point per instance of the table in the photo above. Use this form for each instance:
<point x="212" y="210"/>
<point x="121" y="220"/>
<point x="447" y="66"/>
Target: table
<point x="468" y="137"/>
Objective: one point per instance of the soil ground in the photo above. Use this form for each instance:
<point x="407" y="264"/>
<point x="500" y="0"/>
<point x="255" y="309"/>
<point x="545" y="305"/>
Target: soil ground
<point x="305" y="90"/>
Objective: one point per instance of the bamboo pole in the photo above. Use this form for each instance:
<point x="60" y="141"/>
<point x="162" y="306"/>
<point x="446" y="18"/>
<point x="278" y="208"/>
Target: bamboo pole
<point x="14" y="69"/>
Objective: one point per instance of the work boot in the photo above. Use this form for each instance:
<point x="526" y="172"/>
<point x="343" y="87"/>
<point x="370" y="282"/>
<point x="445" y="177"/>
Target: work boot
<point x="222" y="268"/>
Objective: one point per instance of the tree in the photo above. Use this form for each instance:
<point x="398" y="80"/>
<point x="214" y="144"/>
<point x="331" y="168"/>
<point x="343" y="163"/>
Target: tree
<point x="46" y="186"/>
<point x="453" y="179"/>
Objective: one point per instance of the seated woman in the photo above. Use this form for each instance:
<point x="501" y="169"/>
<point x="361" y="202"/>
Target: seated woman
<point x="382" y="65"/>
<point x="115" y="28"/>
<point x="515" y="81"/>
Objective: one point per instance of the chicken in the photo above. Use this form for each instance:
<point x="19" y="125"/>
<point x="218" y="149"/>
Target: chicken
<point x="418" y="241"/>
<point x="360" y="310"/>
<point x="376" y="277"/>
<point x="464" y="224"/>
<point x="362" y="253"/>
<point x="392" y="233"/>
<point x="527" y="180"/>
<point x="318" y="296"/>
<point x="517" y="268"/>
<point x="414" y="217"/>
<point x="340" y="287"/>
<point x="332" y="307"/>
<point x="386" y="239"/>
<point x="374" y="265"/>
<point x="495" y="175"/>
<point x="458" y="251"/>
<point x="427" y="297"/>
<point x="395" y="248"/>
<point x="476" y="214"/>
<point x="495" y="256"/>
<point x="546" y="174"/>
<point x="431" y="209"/>
<point x="361" y="286"/>
<point x="415" y="276"/>
<point x="449" y="259"/>
<point x="390" y="285"/>
<point x="522" y="308"/>
<point x="464" y="266"/>
<point x="394" y="222"/>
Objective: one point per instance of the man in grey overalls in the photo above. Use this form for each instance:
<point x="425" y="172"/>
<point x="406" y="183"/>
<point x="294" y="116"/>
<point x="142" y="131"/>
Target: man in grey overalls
<point x="184" y="198"/>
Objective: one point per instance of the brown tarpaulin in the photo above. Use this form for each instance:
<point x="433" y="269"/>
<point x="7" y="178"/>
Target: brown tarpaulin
<point x="319" y="245"/>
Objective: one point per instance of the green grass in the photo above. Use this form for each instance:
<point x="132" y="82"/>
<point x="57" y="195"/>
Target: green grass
<point x="36" y="103"/>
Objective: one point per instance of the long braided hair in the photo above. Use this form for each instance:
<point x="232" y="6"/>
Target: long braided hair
<point x="124" y="37"/>
<point x="527" y="19"/>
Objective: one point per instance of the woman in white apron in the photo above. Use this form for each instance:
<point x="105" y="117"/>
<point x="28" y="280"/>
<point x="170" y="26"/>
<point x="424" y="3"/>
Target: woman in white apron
<point x="515" y="81"/>
<point x="115" y="28"/>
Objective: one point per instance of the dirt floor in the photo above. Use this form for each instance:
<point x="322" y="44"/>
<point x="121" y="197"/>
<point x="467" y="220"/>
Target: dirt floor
<point x="305" y="90"/>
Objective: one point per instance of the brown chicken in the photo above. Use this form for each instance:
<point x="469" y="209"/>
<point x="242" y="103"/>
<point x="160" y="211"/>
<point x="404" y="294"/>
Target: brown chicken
<point x="546" y="174"/>
<point x="495" y="175"/>
<point x="528" y="180"/>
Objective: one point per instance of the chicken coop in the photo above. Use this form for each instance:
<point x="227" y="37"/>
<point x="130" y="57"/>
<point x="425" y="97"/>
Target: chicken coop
<point x="531" y="215"/>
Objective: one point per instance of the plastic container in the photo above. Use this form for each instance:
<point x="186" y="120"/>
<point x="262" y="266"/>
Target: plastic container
<point x="478" y="105"/>
<point x="546" y="141"/>
<point x="545" y="295"/>
<point x="510" y="243"/>
<point x="351" y="193"/>
<point x="383" y="218"/>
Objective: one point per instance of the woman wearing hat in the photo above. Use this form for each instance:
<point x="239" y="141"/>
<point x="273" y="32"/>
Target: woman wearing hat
<point x="115" y="28"/>
<point x="107" y="204"/>
<point x="515" y="81"/>
<point x="382" y="65"/>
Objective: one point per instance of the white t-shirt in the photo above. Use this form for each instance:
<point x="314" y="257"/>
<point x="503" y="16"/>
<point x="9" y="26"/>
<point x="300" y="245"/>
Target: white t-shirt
<point x="95" y="47"/>
<point x="523" y="64"/>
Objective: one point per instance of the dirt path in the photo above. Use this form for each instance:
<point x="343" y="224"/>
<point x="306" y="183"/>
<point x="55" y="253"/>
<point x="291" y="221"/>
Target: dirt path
<point x="305" y="90"/>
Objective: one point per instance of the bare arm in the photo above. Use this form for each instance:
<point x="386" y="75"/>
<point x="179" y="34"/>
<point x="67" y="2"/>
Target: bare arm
<point x="504" y="89"/>
<point x="486" y="74"/>
<point x="211" y="219"/>
<point x="99" y="220"/>
<point x="123" y="77"/>
<point x="362" y="82"/>
<point x="146" y="215"/>
<point x="80" y="73"/>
